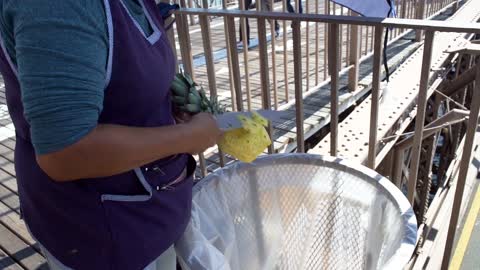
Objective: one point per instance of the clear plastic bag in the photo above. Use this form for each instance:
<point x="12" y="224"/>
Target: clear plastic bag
<point x="297" y="211"/>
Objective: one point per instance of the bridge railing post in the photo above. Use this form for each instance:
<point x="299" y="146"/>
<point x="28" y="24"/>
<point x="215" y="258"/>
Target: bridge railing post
<point x="421" y="111"/>
<point x="420" y="15"/>
<point x="334" y="69"/>
<point x="354" y="57"/>
<point x="377" y="63"/>
<point x="297" y="59"/>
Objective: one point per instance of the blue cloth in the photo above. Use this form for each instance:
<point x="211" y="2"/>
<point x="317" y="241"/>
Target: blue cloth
<point x="369" y="8"/>
<point x="60" y="48"/>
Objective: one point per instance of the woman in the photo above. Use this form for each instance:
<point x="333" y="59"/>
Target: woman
<point x="103" y="178"/>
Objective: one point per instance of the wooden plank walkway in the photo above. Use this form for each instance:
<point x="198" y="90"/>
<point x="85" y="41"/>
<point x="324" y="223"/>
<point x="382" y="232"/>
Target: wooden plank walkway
<point x="17" y="248"/>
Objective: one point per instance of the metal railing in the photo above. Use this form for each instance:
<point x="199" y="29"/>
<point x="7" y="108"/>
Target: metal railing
<point x="346" y="39"/>
<point x="355" y="45"/>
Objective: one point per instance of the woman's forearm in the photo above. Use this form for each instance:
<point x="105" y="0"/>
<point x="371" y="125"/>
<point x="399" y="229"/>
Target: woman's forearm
<point x="114" y="149"/>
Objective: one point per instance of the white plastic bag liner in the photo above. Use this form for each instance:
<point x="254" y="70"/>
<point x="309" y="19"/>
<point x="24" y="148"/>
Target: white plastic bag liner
<point x="297" y="211"/>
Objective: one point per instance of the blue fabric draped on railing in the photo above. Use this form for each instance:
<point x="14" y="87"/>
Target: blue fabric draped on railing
<point x="370" y="8"/>
<point x="373" y="8"/>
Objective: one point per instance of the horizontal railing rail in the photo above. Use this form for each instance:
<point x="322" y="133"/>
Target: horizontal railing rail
<point x="431" y="25"/>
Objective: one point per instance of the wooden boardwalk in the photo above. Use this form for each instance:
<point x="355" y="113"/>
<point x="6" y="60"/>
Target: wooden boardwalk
<point x="17" y="248"/>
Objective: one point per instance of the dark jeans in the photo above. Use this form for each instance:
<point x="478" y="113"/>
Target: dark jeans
<point x="265" y="6"/>
<point x="291" y="9"/>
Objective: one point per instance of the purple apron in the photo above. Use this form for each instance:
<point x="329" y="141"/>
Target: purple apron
<point x="124" y="221"/>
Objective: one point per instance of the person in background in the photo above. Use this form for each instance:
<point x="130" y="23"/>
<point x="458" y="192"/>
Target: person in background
<point x="290" y="8"/>
<point x="265" y="5"/>
<point x="104" y="171"/>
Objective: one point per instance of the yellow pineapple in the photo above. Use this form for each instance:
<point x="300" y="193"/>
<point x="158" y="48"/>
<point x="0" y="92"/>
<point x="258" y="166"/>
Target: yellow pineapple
<point x="248" y="142"/>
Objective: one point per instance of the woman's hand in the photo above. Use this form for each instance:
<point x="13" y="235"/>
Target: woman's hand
<point x="204" y="132"/>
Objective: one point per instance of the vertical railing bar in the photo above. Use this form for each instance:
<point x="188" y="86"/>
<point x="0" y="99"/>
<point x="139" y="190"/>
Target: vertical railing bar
<point x="409" y="9"/>
<point x="362" y="35"/>
<point x="229" y="61"/>
<point x="420" y="16"/>
<point x="171" y="40"/>
<point x="403" y="13"/>
<point x="222" y="157"/>
<point x="371" y="39"/>
<point x="264" y="72"/>
<point x="340" y="26"/>
<point x="367" y="36"/>
<point x="307" y="49"/>
<point x="203" y="164"/>
<point x="397" y="9"/>
<point x="185" y="45"/>
<point x="412" y="11"/>
<point x="297" y="60"/>
<point x="264" y="69"/>
<point x="334" y="70"/>
<point x="377" y="62"/>
<point x="274" y="64"/>
<point x="243" y="22"/>
<point x="354" y="56"/>
<point x="317" y="41"/>
<point x="348" y="38"/>
<point x="297" y="5"/>
<point x="420" y="118"/>
<point x="325" y="37"/>
<point x="207" y="47"/>
<point x="285" y="54"/>
<point x="464" y="165"/>
<point x="191" y="16"/>
<point x="427" y="9"/>
<point x="235" y="65"/>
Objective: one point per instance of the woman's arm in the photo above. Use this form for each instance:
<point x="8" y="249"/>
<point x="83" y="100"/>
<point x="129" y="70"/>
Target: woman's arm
<point x="60" y="48"/>
<point x="113" y="149"/>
